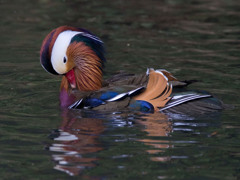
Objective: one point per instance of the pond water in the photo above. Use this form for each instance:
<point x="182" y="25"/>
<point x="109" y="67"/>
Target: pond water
<point x="193" y="39"/>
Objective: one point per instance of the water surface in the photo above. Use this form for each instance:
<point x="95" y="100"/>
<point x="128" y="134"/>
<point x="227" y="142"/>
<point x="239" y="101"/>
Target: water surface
<point x="192" y="39"/>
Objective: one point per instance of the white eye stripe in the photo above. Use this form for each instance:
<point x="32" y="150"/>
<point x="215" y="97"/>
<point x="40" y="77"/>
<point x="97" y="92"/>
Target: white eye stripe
<point x="59" y="50"/>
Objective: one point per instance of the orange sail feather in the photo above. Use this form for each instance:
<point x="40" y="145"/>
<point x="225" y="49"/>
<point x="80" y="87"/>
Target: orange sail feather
<point x="158" y="90"/>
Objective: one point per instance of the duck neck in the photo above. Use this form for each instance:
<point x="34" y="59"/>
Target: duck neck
<point x="88" y="67"/>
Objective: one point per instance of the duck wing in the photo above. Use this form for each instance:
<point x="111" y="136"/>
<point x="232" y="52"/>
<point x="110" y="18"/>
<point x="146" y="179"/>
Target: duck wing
<point x="192" y="103"/>
<point x="154" y="92"/>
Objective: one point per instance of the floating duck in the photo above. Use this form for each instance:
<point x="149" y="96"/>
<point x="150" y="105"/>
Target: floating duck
<point x="78" y="56"/>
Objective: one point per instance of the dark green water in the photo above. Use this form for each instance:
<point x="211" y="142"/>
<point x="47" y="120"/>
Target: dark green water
<point x="193" y="39"/>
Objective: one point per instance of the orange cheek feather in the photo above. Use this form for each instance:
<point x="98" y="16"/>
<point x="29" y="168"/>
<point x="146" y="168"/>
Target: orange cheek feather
<point x="71" y="78"/>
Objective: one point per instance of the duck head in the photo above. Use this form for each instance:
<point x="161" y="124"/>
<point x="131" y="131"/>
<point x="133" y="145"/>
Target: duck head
<point x="76" y="54"/>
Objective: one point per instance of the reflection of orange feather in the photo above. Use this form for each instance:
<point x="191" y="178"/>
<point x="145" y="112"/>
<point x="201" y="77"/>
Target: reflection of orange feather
<point x="158" y="90"/>
<point x="88" y="71"/>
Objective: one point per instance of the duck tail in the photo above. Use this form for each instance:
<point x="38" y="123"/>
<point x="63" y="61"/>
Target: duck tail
<point x="157" y="91"/>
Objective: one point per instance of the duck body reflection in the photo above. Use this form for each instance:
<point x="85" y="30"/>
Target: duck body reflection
<point x="80" y="139"/>
<point x="76" y="138"/>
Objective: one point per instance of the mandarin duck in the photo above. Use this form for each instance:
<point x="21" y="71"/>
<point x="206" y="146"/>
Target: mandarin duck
<point x="78" y="55"/>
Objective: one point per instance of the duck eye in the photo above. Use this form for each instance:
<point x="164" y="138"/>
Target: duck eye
<point x="64" y="60"/>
